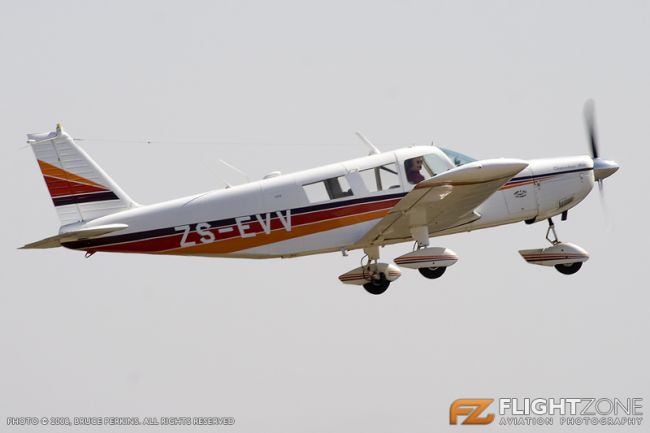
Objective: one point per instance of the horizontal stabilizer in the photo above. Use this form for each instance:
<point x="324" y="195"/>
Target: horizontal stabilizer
<point x="74" y="235"/>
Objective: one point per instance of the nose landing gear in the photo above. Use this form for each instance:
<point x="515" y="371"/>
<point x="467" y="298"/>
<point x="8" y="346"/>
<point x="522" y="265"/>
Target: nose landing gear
<point x="566" y="257"/>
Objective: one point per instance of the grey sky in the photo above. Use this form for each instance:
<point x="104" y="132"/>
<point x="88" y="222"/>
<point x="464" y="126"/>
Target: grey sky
<point x="281" y="345"/>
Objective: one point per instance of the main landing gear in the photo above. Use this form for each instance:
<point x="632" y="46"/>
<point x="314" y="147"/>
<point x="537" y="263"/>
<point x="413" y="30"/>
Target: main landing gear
<point x="374" y="276"/>
<point x="566" y="257"/>
<point x="431" y="262"/>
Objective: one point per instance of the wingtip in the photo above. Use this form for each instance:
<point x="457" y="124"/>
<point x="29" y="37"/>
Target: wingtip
<point x="480" y="171"/>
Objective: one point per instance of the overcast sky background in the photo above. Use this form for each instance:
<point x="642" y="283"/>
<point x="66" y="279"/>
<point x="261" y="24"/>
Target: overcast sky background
<point x="282" y="345"/>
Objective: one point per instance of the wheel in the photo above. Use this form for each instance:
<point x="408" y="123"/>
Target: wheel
<point x="569" y="268"/>
<point x="377" y="286"/>
<point x="432" y="273"/>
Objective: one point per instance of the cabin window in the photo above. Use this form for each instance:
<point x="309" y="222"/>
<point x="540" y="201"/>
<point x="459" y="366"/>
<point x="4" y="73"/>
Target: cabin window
<point x="328" y="189"/>
<point x="380" y="178"/>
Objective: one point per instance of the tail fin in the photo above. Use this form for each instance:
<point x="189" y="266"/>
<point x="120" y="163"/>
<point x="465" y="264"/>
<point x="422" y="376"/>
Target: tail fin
<point x="79" y="188"/>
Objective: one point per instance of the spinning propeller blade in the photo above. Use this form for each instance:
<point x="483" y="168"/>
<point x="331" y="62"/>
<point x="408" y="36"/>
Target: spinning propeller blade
<point x="590" y="122"/>
<point x="602" y="168"/>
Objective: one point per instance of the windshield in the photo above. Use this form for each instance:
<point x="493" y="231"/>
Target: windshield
<point x="458" y="158"/>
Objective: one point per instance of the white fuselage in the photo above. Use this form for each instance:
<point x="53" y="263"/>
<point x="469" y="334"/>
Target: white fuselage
<point x="327" y="209"/>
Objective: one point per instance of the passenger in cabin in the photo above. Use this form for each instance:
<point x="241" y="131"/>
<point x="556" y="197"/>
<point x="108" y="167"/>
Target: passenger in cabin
<point x="413" y="167"/>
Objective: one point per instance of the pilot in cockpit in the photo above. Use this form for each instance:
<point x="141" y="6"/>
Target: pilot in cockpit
<point x="412" y="167"/>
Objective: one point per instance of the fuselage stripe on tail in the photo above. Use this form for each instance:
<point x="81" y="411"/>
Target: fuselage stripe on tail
<point x="84" y="198"/>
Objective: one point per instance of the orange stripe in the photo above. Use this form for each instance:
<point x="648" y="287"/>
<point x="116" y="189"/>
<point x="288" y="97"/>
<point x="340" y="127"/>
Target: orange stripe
<point x="238" y="244"/>
<point x="50" y="170"/>
<point x="516" y="184"/>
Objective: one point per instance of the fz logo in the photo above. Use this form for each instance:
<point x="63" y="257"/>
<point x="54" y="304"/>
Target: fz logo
<point x="472" y="410"/>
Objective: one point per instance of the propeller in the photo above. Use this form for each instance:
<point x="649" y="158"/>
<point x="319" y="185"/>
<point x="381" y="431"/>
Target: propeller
<point x="602" y="168"/>
<point x="590" y="121"/>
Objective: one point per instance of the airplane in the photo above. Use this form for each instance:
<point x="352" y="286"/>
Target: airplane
<point x="405" y="195"/>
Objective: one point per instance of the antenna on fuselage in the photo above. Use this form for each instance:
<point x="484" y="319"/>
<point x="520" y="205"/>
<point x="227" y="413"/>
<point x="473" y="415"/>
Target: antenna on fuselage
<point x="242" y="172"/>
<point x="373" y="148"/>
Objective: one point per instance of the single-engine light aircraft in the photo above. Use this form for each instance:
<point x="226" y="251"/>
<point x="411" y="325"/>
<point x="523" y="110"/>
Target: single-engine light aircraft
<point x="410" y="194"/>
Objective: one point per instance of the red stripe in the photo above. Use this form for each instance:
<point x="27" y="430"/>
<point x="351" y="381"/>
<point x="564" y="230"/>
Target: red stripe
<point x="424" y="259"/>
<point x="539" y="259"/>
<point x="170" y="242"/>
<point x="555" y="255"/>
<point x="62" y="187"/>
<point x="406" y="262"/>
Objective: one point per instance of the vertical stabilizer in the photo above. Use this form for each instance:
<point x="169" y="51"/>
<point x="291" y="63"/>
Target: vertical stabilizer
<point x="80" y="189"/>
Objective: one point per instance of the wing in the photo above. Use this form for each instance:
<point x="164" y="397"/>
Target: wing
<point x="443" y="201"/>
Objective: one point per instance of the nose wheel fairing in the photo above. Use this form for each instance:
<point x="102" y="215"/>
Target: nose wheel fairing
<point x="562" y="253"/>
<point x="566" y="257"/>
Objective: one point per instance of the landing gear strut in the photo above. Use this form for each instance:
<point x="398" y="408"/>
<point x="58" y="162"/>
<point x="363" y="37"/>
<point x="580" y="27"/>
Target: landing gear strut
<point x="377" y="282"/>
<point x="551" y="229"/>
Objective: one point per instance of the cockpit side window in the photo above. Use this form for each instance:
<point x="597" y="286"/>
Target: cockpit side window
<point x="423" y="167"/>
<point x="413" y="168"/>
